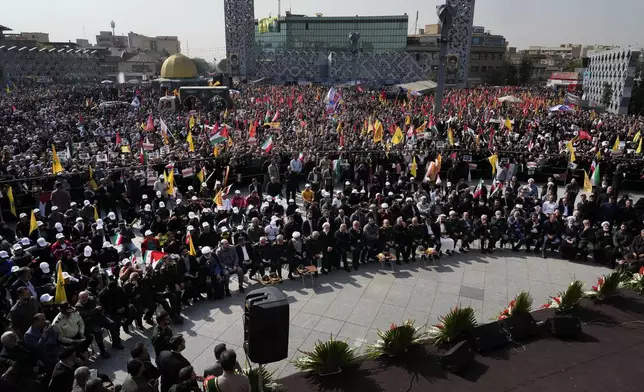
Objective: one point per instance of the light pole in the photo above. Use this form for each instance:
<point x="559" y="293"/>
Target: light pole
<point x="446" y="15"/>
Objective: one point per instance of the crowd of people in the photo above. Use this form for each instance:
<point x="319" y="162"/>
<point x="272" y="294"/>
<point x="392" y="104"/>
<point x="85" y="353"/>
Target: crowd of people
<point x="288" y="178"/>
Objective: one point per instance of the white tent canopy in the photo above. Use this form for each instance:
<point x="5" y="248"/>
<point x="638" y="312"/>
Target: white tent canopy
<point x="420" y="86"/>
<point x="510" y="99"/>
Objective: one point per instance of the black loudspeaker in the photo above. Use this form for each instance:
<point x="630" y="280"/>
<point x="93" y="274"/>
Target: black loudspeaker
<point x="266" y="321"/>
<point x="490" y="336"/>
<point x="521" y="326"/>
<point x="565" y="327"/>
<point x="458" y="357"/>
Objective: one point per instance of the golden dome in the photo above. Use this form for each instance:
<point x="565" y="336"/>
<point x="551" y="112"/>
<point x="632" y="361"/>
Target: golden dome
<point x="178" y="66"/>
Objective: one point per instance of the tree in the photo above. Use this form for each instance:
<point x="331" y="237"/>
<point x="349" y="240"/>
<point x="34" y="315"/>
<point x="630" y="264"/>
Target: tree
<point x="222" y="66"/>
<point x="525" y="71"/>
<point x="572" y="65"/>
<point x="202" y="65"/>
<point x="607" y="94"/>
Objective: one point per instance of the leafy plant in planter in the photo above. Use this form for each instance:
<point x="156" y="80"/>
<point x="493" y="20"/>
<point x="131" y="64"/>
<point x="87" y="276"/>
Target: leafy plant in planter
<point x="453" y="325"/>
<point x="397" y="339"/>
<point x="268" y="383"/>
<point x="328" y="357"/>
<point x="522" y="303"/>
<point x="567" y="300"/>
<point x="636" y="282"/>
<point x="607" y="286"/>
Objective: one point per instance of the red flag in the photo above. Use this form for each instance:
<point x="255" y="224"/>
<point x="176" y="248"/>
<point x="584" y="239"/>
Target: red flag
<point x="360" y="90"/>
<point x="13" y="108"/>
<point x="300" y="99"/>
<point x="150" y="125"/>
<point x="392" y="130"/>
<point x="80" y="118"/>
<point x="118" y="138"/>
<point x="452" y="155"/>
<point x="583" y="135"/>
<point x="341" y="138"/>
<point x="490" y="143"/>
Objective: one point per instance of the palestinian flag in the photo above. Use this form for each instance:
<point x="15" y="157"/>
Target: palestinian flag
<point x="117" y="239"/>
<point x="217" y="138"/>
<point x="153" y="257"/>
<point x="267" y="146"/>
<point x="478" y="190"/>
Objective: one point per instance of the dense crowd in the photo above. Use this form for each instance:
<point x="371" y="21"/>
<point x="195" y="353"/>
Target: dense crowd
<point x="290" y="181"/>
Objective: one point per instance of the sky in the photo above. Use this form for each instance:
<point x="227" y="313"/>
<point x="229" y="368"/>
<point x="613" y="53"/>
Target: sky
<point x="199" y="24"/>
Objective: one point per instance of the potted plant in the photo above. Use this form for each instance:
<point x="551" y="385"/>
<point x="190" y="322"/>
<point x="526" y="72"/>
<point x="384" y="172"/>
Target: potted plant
<point x="636" y="282"/>
<point x="522" y="303"/>
<point x="328" y="357"/>
<point x="568" y="299"/>
<point x="397" y="339"/>
<point x="607" y="286"/>
<point x="454" y="326"/>
<point x="268" y="383"/>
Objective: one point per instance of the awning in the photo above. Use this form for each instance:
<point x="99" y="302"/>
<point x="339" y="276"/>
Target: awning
<point x="419" y="86"/>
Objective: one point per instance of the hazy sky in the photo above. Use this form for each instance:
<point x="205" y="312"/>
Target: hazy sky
<point x="199" y="24"/>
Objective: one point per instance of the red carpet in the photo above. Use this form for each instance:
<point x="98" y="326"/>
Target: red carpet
<point x="607" y="357"/>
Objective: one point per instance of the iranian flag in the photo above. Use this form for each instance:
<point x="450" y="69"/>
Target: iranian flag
<point x="595" y="178"/>
<point x="117" y="239"/>
<point x="143" y="157"/>
<point x="479" y="188"/>
<point x="267" y="146"/>
<point x="153" y="257"/>
<point x="496" y="187"/>
<point x="300" y="157"/>
<point x="217" y="138"/>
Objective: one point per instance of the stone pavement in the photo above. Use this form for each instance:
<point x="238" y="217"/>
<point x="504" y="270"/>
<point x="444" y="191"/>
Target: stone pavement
<point x="354" y="305"/>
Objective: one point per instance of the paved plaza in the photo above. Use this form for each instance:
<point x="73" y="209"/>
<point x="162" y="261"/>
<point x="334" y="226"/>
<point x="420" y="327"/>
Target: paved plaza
<point x="354" y="305"/>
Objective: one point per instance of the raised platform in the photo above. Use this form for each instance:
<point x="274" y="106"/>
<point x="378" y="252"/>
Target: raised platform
<point x="607" y="356"/>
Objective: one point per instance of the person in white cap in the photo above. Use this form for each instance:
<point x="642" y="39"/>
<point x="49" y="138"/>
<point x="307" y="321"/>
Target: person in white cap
<point x="20" y="257"/>
<point x="22" y="227"/>
<point x="238" y="200"/>
<point x="80" y="230"/>
<point x="54" y="217"/>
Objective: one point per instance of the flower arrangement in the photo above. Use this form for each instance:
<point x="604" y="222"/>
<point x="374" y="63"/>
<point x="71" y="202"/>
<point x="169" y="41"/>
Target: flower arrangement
<point x="453" y="325"/>
<point x="397" y="339"/>
<point x="327" y="357"/>
<point x="606" y="286"/>
<point x="522" y="303"/>
<point x="568" y="299"/>
<point x="636" y="283"/>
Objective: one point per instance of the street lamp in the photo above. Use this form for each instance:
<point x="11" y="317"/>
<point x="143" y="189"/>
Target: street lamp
<point x="446" y="15"/>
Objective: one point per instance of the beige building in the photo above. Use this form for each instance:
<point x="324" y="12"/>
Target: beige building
<point x="168" y="44"/>
<point x="487" y="51"/>
<point x="564" y="51"/>
<point x="41" y="38"/>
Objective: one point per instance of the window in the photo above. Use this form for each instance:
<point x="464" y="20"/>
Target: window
<point x="483" y="68"/>
<point x="476" y="56"/>
<point x="474" y="68"/>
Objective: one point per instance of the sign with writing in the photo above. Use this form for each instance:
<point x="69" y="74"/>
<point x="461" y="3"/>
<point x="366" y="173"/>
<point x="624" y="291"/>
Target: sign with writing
<point x="165" y="150"/>
<point x="467" y="158"/>
<point x="93" y="145"/>
<point x="189" y="172"/>
<point x="101" y="157"/>
<point x="114" y="155"/>
<point x="84" y="156"/>
<point x="151" y="181"/>
<point x="505" y="160"/>
<point x="440" y="144"/>
<point x="147" y="146"/>
<point x="78" y="146"/>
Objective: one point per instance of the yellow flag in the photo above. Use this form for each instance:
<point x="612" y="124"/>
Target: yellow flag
<point x="230" y="141"/>
<point x="412" y="169"/>
<point x="477" y="140"/>
<point x="191" y="123"/>
<point x="219" y="200"/>
<point x="96" y="216"/>
<point x="639" y="148"/>
<point x="60" y="296"/>
<point x="450" y="136"/>
<point x="143" y="126"/>
<point x="508" y="124"/>
<point x="202" y="175"/>
<point x="33" y="224"/>
<point x="191" y="251"/>
<point x="92" y="181"/>
<point x="125" y="149"/>
<point x="56" y="166"/>
<point x="571" y="149"/>
<point x="494" y="159"/>
<point x="398" y="136"/>
<point x="407" y="120"/>
<point x="599" y="154"/>
<point x="191" y="144"/>
<point x="217" y="83"/>
<point x="387" y="148"/>
<point x="588" y="186"/>
<point x="438" y="162"/>
<point x="370" y="126"/>
<point x="616" y="145"/>
<point x="215" y="151"/>
<point x="339" y="127"/>
<point x="12" y="205"/>
<point x="637" y="137"/>
<point x="170" y="180"/>
<point x="378" y="132"/>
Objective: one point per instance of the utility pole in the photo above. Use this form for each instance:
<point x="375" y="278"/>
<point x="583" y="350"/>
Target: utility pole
<point x="446" y="15"/>
<point x="279" y="7"/>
